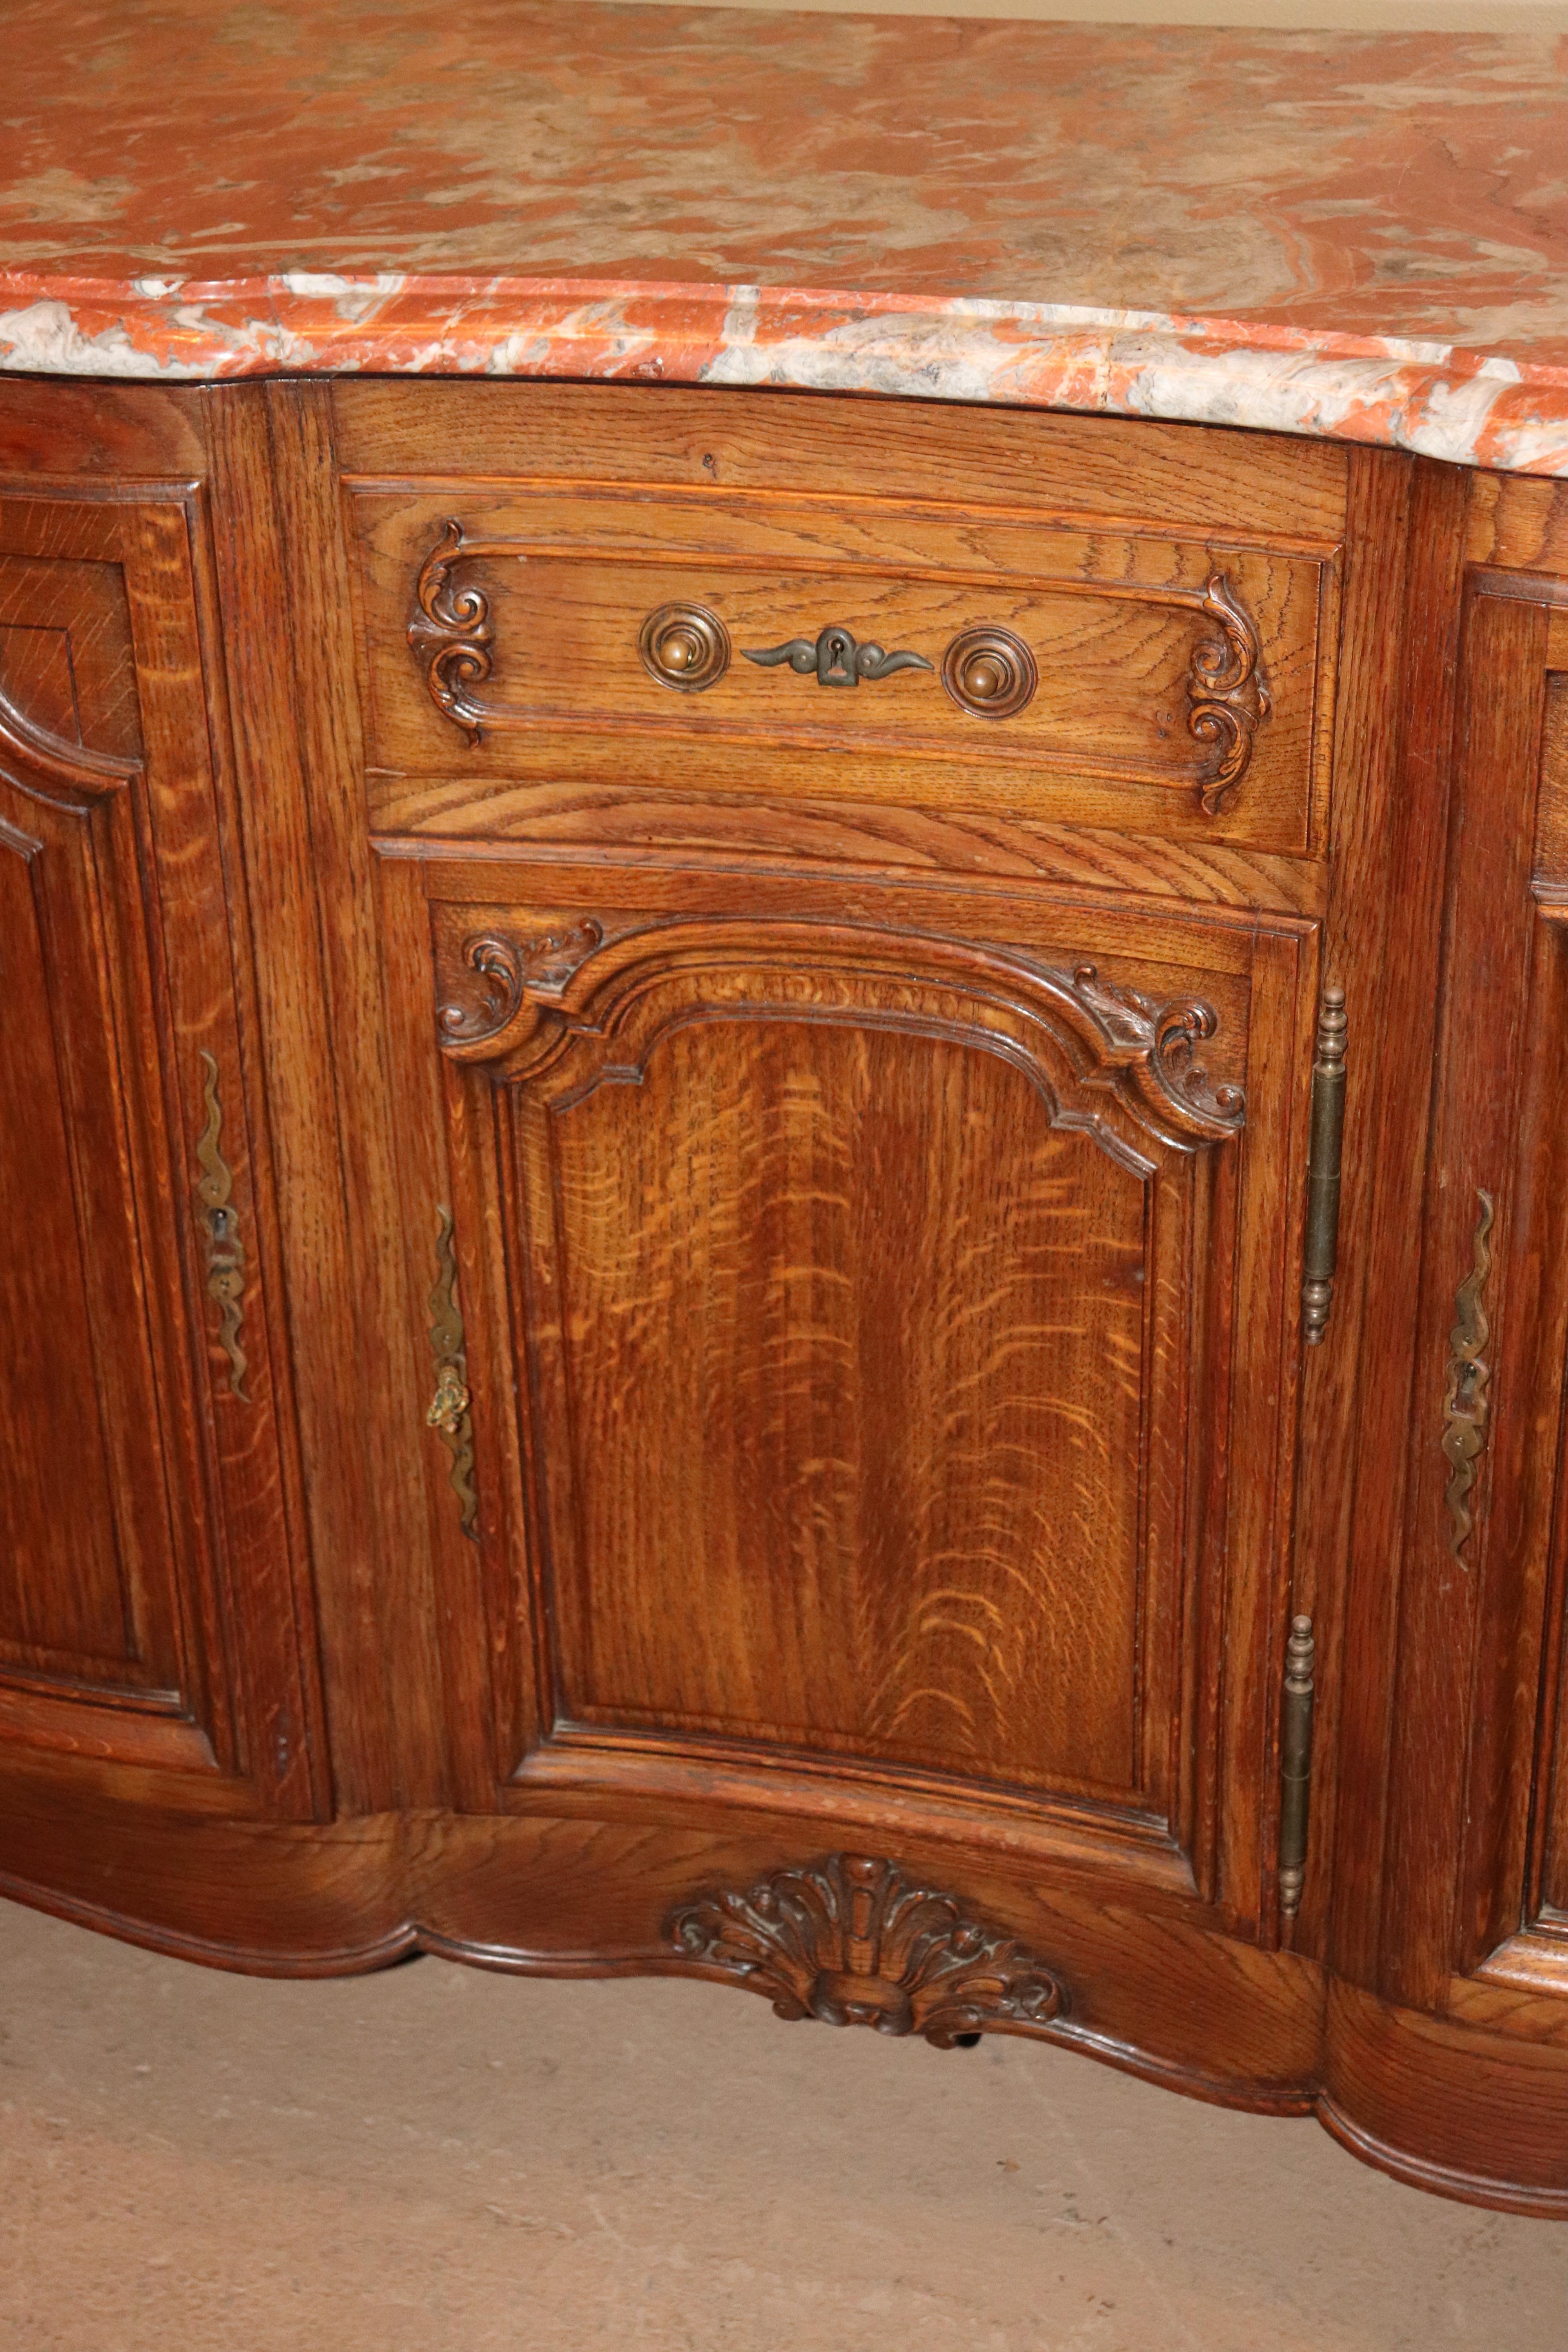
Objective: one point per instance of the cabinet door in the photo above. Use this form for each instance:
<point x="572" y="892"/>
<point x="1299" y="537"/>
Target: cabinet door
<point x="148" y="1607"/>
<point x="878" y="1342"/>
<point x="1485" y="1807"/>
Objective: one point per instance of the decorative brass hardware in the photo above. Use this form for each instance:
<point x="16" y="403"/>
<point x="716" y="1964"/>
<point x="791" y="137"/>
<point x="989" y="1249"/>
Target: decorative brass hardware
<point x="498" y="971"/>
<point x="449" y="1403"/>
<point x="1296" y="1762"/>
<point x="449" y="1414"/>
<point x="451" y="629"/>
<point x="850" y="1940"/>
<point x="989" y="672"/>
<point x="685" y="646"/>
<point x="226" y="1251"/>
<point x="1226" y="691"/>
<point x="1326" y="1137"/>
<point x="836" y="659"/>
<point x="1466" y="1404"/>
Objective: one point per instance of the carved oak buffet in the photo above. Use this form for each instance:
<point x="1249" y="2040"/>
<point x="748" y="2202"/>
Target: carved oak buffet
<point x="677" y="1055"/>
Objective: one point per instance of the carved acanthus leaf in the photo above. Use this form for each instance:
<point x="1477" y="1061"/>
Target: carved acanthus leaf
<point x="495" y="971"/>
<point x="1162" y="1038"/>
<point x="850" y="1940"/>
<point x="451" y="632"/>
<point x="1226" y="696"/>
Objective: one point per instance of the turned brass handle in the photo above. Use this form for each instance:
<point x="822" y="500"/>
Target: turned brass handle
<point x="685" y="646"/>
<point x="989" y="672"/>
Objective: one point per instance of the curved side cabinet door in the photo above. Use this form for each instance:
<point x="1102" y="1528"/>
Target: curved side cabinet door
<point x="148" y="1602"/>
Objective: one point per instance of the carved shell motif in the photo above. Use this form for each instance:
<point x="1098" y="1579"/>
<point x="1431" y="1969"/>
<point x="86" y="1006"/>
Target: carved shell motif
<point x="850" y="1940"/>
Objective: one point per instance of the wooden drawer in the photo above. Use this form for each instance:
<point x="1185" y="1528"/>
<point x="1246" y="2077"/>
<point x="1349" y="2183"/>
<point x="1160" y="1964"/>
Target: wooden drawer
<point x="878" y="645"/>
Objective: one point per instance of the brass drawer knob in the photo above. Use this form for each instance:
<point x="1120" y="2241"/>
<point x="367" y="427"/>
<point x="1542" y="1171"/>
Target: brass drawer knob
<point x="989" y="672"/>
<point x="686" y="647"/>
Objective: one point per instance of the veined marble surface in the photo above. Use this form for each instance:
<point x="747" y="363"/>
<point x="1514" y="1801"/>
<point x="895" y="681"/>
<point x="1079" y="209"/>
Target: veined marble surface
<point x="1365" y="236"/>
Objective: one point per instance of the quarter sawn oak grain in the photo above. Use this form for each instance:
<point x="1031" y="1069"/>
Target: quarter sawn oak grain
<point x="834" y="1168"/>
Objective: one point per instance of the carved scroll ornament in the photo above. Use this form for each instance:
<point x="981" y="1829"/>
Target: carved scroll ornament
<point x="1226" y="696"/>
<point x="495" y="972"/>
<point x="852" y="1941"/>
<point x="1165" y="1038"/>
<point x="451" y="630"/>
<point x="495" y="987"/>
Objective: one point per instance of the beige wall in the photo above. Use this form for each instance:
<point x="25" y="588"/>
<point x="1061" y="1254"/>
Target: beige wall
<point x="1549" y="16"/>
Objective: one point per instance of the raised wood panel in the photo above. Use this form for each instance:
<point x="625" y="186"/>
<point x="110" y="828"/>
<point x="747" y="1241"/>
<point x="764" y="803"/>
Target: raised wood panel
<point x="142" y="1545"/>
<point x="67" y="662"/>
<point x="84" y="1530"/>
<point x="854" y="1332"/>
<point x="868" y="1294"/>
<point x="1479" y="1880"/>
<point x="1121" y="631"/>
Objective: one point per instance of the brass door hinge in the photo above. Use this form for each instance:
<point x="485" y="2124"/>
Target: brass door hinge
<point x="1296" y="1762"/>
<point x="1327" y="1136"/>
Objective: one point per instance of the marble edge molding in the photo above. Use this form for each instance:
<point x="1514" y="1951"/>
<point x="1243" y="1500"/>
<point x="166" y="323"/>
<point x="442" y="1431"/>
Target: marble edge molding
<point x="1434" y="399"/>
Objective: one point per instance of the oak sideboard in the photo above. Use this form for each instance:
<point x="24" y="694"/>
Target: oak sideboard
<point x="784" y="1170"/>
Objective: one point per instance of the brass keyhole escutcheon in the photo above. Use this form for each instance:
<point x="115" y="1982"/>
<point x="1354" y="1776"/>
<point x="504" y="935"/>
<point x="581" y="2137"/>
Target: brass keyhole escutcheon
<point x="989" y="672"/>
<point x="449" y="1403"/>
<point x="685" y="646"/>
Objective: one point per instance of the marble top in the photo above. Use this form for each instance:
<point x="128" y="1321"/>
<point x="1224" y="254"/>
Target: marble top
<point x="1356" y="236"/>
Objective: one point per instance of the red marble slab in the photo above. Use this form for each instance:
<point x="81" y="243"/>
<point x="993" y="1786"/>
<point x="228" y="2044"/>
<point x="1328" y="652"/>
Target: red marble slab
<point x="1358" y="236"/>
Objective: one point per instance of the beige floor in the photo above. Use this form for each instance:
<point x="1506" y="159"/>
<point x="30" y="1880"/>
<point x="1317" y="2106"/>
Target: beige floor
<point x="437" y="2160"/>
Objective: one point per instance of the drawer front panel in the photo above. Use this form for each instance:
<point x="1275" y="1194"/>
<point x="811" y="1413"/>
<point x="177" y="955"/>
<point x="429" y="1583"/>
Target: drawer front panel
<point x="829" y="649"/>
